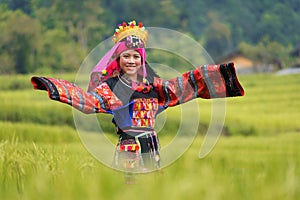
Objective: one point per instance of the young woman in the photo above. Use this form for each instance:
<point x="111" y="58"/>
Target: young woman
<point x="124" y="85"/>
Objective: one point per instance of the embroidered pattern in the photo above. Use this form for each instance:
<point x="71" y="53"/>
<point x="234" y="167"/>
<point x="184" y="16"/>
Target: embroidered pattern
<point x="110" y="100"/>
<point x="144" y="112"/>
<point x="128" y="154"/>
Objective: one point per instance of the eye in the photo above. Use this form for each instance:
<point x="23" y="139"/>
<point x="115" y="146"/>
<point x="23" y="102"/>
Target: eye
<point x="137" y="56"/>
<point x="125" y="56"/>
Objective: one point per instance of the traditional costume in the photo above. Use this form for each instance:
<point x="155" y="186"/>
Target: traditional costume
<point x="135" y="105"/>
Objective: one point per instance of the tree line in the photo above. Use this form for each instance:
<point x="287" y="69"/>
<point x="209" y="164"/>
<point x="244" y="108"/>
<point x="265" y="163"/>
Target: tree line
<point x="56" y="35"/>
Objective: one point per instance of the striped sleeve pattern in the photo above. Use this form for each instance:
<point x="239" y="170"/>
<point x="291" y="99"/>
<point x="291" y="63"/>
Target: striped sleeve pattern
<point x="100" y="100"/>
<point x="207" y="81"/>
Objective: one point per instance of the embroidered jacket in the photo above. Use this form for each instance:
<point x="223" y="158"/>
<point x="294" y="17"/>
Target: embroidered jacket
<point x="208" y="81"/>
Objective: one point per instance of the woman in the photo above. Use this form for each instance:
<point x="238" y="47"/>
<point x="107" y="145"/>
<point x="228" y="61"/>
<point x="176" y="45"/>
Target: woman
<point x="124" y="85"/>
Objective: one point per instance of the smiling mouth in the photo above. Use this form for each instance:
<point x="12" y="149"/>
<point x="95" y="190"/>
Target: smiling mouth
<point x="130" y="67"/>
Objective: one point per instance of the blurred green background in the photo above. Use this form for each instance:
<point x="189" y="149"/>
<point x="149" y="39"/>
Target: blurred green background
<point x="257" y="155"/>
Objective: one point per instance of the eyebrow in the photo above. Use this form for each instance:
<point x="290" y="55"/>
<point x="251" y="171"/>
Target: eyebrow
<point x="126" y="53"/>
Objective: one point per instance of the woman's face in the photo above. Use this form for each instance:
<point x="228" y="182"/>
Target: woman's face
<point x="130" y="62"/>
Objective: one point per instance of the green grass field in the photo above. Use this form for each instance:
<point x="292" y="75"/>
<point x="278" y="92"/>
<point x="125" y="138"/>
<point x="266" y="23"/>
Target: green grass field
<point x="257" y="156"/>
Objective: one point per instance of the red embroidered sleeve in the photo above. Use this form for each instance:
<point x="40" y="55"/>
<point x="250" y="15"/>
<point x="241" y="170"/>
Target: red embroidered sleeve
<point x="101" y="100"/>
<point x="108" y="100"/>
<point x="208" y="81"/>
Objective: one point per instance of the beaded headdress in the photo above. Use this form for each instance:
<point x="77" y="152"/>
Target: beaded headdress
<point x="131" y="28"/>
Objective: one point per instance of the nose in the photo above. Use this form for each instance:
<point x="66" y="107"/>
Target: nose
<point x="131" y="59"/>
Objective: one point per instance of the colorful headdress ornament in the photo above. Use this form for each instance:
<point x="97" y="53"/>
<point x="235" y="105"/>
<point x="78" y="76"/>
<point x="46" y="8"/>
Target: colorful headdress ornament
<point x="130" y="28"/>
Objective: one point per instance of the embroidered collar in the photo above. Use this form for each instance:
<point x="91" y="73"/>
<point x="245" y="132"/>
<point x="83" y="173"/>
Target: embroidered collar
<point x="144" y="86"/>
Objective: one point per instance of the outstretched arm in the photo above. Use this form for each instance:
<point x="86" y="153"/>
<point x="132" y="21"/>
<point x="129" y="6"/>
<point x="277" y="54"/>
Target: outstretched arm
<point x="101" y="100"/>
<point x="207" y="81"/>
